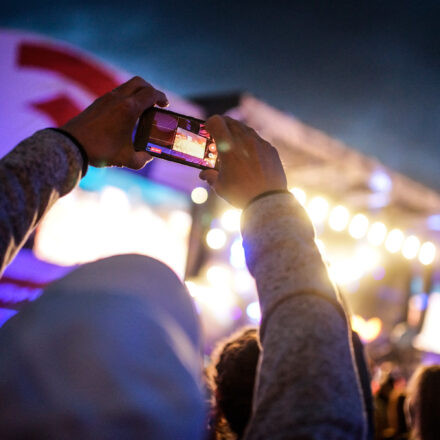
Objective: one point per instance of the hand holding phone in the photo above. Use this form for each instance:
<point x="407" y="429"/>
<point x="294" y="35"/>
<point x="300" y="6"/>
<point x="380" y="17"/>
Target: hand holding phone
<point x="175" y="137"/>
<point x="105" y="127"/>
<point x="249" y="165"/>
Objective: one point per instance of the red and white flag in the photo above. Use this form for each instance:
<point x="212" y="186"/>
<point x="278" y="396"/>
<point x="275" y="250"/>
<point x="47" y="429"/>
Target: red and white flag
<point x="44" y="82"/>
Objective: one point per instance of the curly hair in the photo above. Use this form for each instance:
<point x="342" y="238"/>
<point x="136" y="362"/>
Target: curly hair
<point x="231" y="377"/>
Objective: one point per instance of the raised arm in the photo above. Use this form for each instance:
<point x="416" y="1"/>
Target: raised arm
<point x="33" y="176"/>
<point x="48" y="165"/>
<point x="307" y="385"/>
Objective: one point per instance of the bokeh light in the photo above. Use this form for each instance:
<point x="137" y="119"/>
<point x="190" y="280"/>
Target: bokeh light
<point x="433" y="222"/>
<point x="427" y="253"/>
<point x="358" y="226"/>
<point x="410" y="247"/>
<point x="199" y="195"/>
<point x="339" y="217"/>
<point x="180" y="221"/>
<point x="368" y="330"/>
<point x="368" y="257"/>
<point x="219" y="275"/>
<point x="253" y="311"/>
<point x="317" y="209"/>
<point x="377" y="233"/>
<point x="379" y="273"/>
<point x="236" y="255"/>
<point x="244" y="283"/>
<point x="394" y="241"/>
<point x="218" y="302"/>
<point x="216" y="238"/>
<point x="345" y="271"/>
<point x="380" y="181"/>
<point x="85" y="226"/>
<point x="230" y="220"/>
<point x="299" y="194"/>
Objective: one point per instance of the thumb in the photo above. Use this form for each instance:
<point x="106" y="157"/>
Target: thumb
<point x="209" y="176"/>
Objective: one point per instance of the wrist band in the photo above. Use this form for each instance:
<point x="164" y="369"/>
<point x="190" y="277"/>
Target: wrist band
<point x="79" y="146"/>
<point x="265" y="194"/>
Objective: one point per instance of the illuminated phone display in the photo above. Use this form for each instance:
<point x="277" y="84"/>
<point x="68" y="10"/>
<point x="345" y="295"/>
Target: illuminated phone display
<point x="176" y="137"/>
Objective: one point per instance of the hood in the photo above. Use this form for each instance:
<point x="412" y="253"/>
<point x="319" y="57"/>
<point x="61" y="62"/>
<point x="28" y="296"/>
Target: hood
<point x="110" y="351"/>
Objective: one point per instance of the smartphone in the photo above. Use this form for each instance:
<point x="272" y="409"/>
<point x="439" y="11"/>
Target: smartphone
<point x="176" y="137"/>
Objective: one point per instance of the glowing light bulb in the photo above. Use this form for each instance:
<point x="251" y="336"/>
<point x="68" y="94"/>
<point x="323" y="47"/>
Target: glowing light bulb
<point x="358" y="226"/>
<point x="199" y="195"/>
<point x="230" y="220"/>
<point x="377" y="233"/>
<point x="339" y="218"/>
<point x="299" y="194"/>
<point x="318" y="209"/>
<point x="411" y="247"/>
<point x="427" y="253"/>
<point x="216" y="238"/>
<point x="394" y="241"/>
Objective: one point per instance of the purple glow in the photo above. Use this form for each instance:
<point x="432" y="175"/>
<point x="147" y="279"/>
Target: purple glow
<point x="431" y="358"/>
<point x="253" y="311"/>
<point x="420" y="301"/>
<point x="198" y="308"/>
<point x="434" y="222"/>
<point x="24" y="280"/>
<point x="5" y="314"/>
<point x="379" y="274"/>
<point x="236" y="313"/>
<point x="380" y="181"/>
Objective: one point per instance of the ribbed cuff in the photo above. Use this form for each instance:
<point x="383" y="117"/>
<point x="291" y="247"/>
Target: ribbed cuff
<point x="309" y="292"/>
<point x="78" y="145"/>
<point x="265" y="194"/>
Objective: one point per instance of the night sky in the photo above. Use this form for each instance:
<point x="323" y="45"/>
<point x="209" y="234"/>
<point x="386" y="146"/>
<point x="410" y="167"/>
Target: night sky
<point x="367" y="73"/>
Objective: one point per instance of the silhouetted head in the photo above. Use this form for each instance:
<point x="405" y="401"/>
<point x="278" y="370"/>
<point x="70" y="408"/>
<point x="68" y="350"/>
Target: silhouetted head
<point x="232" y="379"/>
<point x="112" y="350"/>
<point x="423" y="403"/>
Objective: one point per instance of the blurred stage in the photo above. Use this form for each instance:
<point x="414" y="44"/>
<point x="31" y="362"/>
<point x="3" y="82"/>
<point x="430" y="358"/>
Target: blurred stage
<point x="378" y="230"/>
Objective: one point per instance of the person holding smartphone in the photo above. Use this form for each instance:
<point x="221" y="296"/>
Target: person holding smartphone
<point x="50" y="164"/>
<point x="307" y="385"/>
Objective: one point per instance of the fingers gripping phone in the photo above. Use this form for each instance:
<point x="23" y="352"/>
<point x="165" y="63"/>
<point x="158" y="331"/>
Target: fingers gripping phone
<point x="176" y="137"/>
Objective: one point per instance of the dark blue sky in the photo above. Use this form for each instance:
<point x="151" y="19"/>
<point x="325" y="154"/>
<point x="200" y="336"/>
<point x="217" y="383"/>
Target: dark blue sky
<point x="367" y="73"/>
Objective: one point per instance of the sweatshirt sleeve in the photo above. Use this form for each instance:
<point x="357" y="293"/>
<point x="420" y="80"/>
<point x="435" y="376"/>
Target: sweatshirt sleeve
<point x="33" y="176"/>
<point x="307" y="385"/>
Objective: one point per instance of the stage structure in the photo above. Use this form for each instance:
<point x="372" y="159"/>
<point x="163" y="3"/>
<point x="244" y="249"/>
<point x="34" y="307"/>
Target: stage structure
<point x="378" y="230"/>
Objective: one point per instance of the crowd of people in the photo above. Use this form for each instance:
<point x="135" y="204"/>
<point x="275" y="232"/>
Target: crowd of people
<point x="394" y="412"/>
<point x="113" y="350"/>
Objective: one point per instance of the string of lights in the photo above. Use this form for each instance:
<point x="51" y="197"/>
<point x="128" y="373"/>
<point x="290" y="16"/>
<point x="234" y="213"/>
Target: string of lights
<point x="339" y="219"/>
<point x="347" y="264"/>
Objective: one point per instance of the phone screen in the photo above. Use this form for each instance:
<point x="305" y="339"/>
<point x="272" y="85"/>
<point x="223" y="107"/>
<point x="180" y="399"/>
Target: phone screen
<point x="177" y="137"/>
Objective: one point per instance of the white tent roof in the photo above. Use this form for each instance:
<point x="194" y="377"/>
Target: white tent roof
<point x="323" y="165"/>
